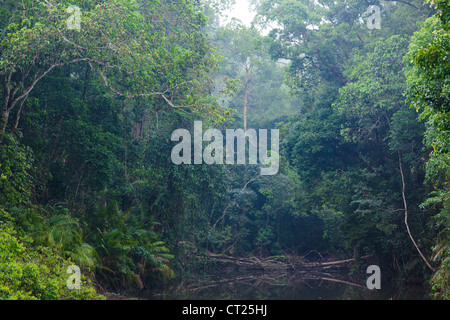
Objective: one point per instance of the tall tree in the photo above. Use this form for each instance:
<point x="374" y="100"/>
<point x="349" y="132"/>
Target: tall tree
<point x="137" y="48"/>
<point x="428" y="91"/>
<point x="262" y="94"/>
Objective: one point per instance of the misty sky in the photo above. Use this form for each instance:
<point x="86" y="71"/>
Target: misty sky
<point x="241" y="10"/>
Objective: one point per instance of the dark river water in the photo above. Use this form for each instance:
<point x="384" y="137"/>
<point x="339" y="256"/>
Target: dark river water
<point x="290" y="286"/>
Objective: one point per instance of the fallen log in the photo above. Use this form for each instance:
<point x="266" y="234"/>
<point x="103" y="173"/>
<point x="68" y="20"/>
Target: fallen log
<point x="271" y="279"/>
<point x="279" y="263"/>
<point x="333" y="263"/>
<point x="336" y="280"/>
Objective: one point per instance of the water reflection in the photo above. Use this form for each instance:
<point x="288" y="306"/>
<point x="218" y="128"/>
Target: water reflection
<point x="289" y="286"/>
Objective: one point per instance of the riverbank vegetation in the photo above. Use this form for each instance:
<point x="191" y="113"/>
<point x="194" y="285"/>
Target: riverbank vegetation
<point x="86" y="176"/>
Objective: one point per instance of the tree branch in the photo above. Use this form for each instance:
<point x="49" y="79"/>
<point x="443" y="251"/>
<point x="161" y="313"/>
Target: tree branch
<point x="229" y="204"/>
<point x="131" y="96"/>
<point x="409" y="4"/>
<point x="406" y="213"/>
<point x="37" y="78"/>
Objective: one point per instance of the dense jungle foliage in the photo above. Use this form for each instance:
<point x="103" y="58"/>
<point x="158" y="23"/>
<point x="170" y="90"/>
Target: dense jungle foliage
<point x="86" y="176"/>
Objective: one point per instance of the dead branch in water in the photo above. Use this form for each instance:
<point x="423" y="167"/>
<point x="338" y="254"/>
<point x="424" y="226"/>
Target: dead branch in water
<point x="336" y="280"/>
<point x="267" y="278"/>
<point x="279" y="263"/>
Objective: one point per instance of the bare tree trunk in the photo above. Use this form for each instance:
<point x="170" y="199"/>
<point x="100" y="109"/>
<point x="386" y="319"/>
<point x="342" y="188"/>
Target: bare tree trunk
<point x="406" y="214"/>
<point x="5" y="111"/>
<point x="12" y="96"/>
<point x="4" y="122"/>
<point x="19" y="113"/>
<point x="245" y="107"/>
<point x="230" y="203"/>
<point x="247" y="79"/>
